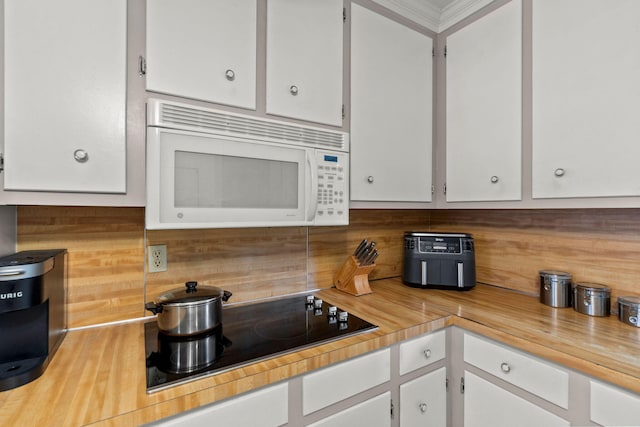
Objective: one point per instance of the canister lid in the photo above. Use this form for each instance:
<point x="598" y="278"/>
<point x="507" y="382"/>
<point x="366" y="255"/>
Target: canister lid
<point x="555" y="274"/>
<point x="629" y="300"/>
<point x="593" y="287"/>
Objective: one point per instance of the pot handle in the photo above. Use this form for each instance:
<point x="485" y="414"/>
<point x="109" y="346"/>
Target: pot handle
<point x="226" y="295"/>
<point x="153" y="307"/>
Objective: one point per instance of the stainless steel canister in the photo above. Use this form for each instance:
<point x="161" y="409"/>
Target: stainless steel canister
<point x="593" y="299"/>
<point x="555" y="288"/>
<point x="629" y="309"/>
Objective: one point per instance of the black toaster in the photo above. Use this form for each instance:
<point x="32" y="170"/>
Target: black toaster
<point x="439" y="261"/>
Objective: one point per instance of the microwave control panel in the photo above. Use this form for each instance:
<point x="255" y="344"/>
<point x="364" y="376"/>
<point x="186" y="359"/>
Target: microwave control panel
<point x="333" y="195"/>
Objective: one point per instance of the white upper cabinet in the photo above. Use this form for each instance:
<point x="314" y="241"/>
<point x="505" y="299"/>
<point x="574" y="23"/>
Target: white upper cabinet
<point x="484" y="108"/>
<point x="391" y="110"/>
<point x="304" y="60"/>
<point x="65" y="89"/>
<point x="586" y="98"/>
<point x="203" y="49"/>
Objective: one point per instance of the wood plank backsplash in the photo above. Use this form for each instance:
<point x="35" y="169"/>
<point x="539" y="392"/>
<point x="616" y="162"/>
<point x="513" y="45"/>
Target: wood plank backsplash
<point x="108" y="280"/>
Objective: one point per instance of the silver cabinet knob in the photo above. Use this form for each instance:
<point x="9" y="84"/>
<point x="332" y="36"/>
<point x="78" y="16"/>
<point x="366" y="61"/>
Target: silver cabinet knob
<point x="427" y="353"/>
<point x="559" y="172"/>
<point x="423" y="407"/>
<point x="505" y="367"/>
<point x="494" y="179"/>
<point x="293" y="90"/>
<point x="80" y="155"/>
<point x="370" y="179"/>
<point x="230" y="75"/>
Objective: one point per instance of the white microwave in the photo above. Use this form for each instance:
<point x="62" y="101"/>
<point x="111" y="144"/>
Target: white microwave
<point x="215" y="169"/>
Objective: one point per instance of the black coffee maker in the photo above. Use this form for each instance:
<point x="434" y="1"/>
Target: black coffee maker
<point x="32" y="313"/>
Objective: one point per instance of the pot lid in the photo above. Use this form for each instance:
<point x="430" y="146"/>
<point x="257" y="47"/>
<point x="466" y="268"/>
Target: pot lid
<point x="191" y="294"/>
<point x="629" y="300"/>
<point x="594" y="287"/>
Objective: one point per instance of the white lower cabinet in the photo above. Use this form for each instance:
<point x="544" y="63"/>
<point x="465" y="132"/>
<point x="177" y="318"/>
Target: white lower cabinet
<point x="335" y="383"/>
<point x="423" y="401"/>
<point x="612" y="406"/>
<point x="266" y="407"/>
<point x="486" y="404"/>
<point x="371" y="413"/>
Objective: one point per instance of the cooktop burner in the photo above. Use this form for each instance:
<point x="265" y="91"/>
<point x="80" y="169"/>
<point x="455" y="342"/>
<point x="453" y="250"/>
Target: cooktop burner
<point x="248" y="333"/>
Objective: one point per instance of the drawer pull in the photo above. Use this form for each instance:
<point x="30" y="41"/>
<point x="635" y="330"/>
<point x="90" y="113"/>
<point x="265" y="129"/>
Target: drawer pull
<point x="505" y="367"/>
<point x="423" y="407"/>
<point x="427" y="353"/>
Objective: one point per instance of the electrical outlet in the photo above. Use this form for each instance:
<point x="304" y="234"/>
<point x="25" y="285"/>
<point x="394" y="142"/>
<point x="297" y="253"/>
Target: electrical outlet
<point x="157" y="258"/>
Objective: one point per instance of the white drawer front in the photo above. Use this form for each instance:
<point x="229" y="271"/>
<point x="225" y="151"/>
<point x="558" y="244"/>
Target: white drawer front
<point x="335" y="383"/>
<point x="611" y="406"/>
<point x="422" y="351"/>
<point x="519" y="369"/>
<point x="374" y="412"/>
<point x="267" y="407"/>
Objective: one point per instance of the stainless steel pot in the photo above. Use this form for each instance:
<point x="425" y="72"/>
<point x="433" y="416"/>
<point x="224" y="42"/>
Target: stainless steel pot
<point x="629" y="310"/>
<point x="555" y="288"/>
<point x="592" y="298"/>
<point x="179" y="355"/>
<point x="189" y="311"/>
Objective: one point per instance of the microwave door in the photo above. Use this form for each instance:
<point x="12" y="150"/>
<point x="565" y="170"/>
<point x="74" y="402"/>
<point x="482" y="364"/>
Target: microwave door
<point x="213" y="182"/>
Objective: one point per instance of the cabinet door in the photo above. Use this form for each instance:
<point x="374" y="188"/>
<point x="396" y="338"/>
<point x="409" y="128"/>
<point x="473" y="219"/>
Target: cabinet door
<point x="484" y="104"/>
<point x="203" y="49"/>
<point x="586" y="95"/>
<point x="423" y="401"/>
<point x="65" y="95"/>
<point x="391" y="110"/>
<point x="612" y="406"/>
<point x="374" y="412"/>
<point x="486" y="404"/>
<point x="304" y="60"/>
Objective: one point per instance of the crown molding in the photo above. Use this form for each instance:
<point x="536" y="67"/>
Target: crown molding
<point x="430" y="15"/>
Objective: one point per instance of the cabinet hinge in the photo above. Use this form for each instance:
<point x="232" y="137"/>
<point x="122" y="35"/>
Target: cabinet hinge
<point x="446" y="384"/>
<point x="445" y="51"/>
<point x="344" y="15"/>
<point x="461" y="385"/>
<point x="433" y="188"/>
<point x="142" y="66"/>
<point x="433" y="52"/>
<point x="1" y="162"/>
<point x="391" y="408"/>
<point x="444" y="188"/>
<point x="342" y="111"/>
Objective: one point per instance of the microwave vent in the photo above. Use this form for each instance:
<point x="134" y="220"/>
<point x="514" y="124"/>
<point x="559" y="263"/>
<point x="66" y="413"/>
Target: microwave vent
<point x="186" y="117"/>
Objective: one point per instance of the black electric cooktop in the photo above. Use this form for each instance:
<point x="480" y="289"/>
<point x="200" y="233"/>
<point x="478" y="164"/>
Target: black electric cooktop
<point x="248" y="333"/>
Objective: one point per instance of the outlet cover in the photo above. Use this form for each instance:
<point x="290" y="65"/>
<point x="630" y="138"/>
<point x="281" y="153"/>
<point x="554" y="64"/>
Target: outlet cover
<point x="157" y="258"/>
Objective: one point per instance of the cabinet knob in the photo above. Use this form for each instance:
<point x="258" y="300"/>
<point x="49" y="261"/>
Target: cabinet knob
<point x="505" y="367"/>
<point x="370" y="179"/>
<point x="427" y="353"/>
<point x="293" y="90"/>
<point x="559" y="172"/>
<point x="230" y="75"/>
<point x="423" y="407"/>
<point x="80" y="155"/>
<point x="494" y="179"/>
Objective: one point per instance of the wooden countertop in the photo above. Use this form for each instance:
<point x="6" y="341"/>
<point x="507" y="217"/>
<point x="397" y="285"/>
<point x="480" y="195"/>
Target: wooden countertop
<point x="97" y="377"/>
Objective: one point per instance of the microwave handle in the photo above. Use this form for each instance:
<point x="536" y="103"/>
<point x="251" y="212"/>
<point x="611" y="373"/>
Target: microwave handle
<point x="312" y="181"/>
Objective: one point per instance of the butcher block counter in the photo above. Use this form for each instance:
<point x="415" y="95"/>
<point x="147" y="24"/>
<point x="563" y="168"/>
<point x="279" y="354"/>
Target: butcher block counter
<point x="97" y="377"/>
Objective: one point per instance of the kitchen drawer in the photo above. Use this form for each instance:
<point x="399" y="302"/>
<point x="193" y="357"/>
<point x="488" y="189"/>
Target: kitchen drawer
<point x="266" y="407"/>
<point x="422" y="351"/>
<point x="371" y="413"/>
<point x="333" y="384"/>
<point x="529" y="373"/>
<point x="612" y="406"/>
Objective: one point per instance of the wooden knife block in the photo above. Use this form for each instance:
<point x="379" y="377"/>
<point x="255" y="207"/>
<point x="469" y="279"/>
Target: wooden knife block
<point x="353" y="278"/>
